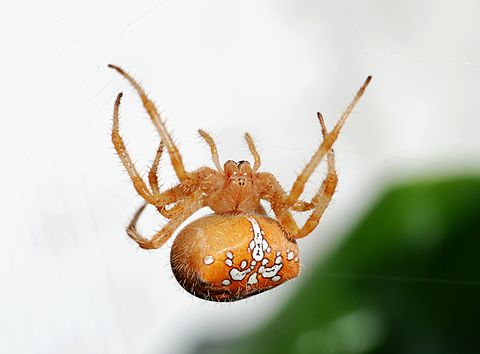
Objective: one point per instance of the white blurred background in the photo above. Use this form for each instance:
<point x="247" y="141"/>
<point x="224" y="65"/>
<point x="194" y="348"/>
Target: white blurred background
<point x="71" y="281"/>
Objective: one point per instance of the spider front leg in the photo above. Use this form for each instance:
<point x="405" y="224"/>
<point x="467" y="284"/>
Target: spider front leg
<point x="328" y="185"/>
<point x="152" y="174"/>
<point x="282" y="203"/>
<point x="182" y="212"/>
<point x="176" y="193"/>
<point x="200" y="181"/>
<point x="152" y="111"/>
<point x="319" y="203"/>
<point x="322" y="198"/>
<point x="154" y="198"/>
<point x="273" y="192"/>
<point x="323" y="149"/>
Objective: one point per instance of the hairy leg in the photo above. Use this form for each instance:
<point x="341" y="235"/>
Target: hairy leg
<point x="188" y="207"/>
<point x="152" y="111"/>
<point x="213" y="148"/>
<point x="330" y="180"/>
<point x="254" y="152"/>
<point x="274" y="193"/>
<point x="138" y="183"/>
<point x="323" y="149"/>
<point x="322" y="198"/>
<point x="200" y="182"/>
<point x="159" y="199"/>
<point x="177" y="192"/>
<point x="152" y="174"/>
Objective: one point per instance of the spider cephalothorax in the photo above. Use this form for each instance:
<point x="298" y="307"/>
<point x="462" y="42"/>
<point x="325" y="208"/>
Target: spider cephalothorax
<point x="238" y="189"/>
<point x="238" y="251"/>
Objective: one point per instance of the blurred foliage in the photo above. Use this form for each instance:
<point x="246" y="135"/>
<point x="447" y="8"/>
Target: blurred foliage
<point x="406" y="280"/>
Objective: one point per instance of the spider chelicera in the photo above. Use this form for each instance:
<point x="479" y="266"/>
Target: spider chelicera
<point x="238" y="251"/>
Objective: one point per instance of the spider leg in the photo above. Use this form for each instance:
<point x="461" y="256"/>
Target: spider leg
<point x="152" y="174"/>
<point x="200" y="181"/>
<point x="323" y="149"/>
<point x="153" y="196"/>
<point x="328" y="185"/>
<point x="274" y="193"/>
<point x="127" y="162"/>
<point x="324" y="195"/>
<point x="213" y="148"/>
<point x="152" y="111"/>
<point x="188" y="207"/>
<point x="176" y="192"/>
<point x="254" y="152"/>
<point x="179" y="191"/>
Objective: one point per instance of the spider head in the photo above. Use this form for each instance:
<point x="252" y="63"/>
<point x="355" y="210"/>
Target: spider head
<point x="239" y="173"/>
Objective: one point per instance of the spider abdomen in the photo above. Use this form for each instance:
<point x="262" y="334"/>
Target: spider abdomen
<point x="228" y="258"/>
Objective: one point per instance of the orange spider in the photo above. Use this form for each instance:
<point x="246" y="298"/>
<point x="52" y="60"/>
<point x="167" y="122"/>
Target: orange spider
<point x="238" y="251"/>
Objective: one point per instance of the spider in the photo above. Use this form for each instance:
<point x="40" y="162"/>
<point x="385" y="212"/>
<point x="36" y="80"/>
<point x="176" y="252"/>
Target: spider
<point x="238" y="251"/>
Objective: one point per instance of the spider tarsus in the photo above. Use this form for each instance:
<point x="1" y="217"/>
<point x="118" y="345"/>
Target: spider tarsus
<point x="322" y="123"/>
<point x="364" y="86"/>
<point x="118" y="69"/>
<point x="367" y="81"/>
<point x="119" y="97"/>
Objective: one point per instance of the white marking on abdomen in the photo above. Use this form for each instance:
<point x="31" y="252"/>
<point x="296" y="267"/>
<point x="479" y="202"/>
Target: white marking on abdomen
<point x="235" y="274"/>
<point x="272" y="271"/>
<point x="252" y="280"/>
<point x="258" y="245"/>
<point x="208" y="260"/>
